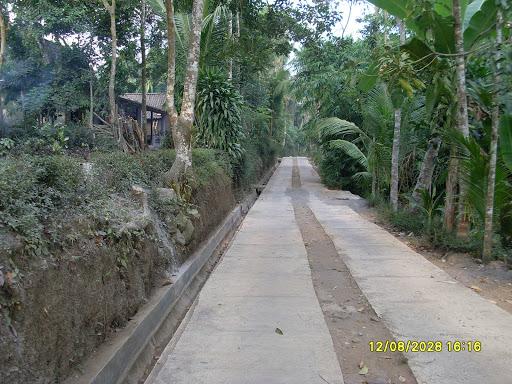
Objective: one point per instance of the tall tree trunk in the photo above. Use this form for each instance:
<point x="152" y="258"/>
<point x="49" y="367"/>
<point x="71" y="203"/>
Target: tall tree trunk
<point x="491" y="178"/>
<point x="111" y="8"/>
<point x="395" y="157"/>
<point x="144" y="111"/>
<point x="237" y="36"/>
<point x="451" y="191"/>
<point x="424" y="181"/>
<point x="3" y="47"/>
<point x="3" y="35"/>
<point x="91" y="103"/>
<point x="385" y="32"/>
<point x="171" y="63"/>
<point x="351" y="3"/>
<point x="182" y="126"/>
<point x="374" y="184"/>
<point x="462" y="107"/>
<point x="91" y="88"/>
<point x="230" y="40"/>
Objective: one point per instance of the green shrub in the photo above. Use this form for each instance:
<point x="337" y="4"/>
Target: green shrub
<point x="80" y="136"/>
<point x="336" y="171"/>
<point x="450" y="241"/>
<point x="155" y="163"/>
<point x="33" y="189"/>
<point x="209" y="164"/>
<point x="20" y="196"/>
<point x="260" y="154"/>
<point x="402" y="220"/>
<point x="59" y="172"/>
<point x="6" y="145"/>
<point x="249" y="168"/>
<point x="117" y="171"/>
<point x="40" y="194"/>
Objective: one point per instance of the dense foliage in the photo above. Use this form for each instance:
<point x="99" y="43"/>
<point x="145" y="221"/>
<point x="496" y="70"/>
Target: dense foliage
<point x="57" y="59"/>
<point x="351" y="92"/>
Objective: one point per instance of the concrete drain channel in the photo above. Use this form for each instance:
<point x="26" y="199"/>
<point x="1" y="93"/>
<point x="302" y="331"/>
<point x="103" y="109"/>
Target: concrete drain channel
<point x="130" y="356"/>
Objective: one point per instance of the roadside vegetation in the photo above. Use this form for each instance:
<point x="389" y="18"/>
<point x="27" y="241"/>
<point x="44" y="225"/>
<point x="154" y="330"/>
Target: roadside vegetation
<point x="103" y="197"/>
<point x="105" y="192"/>
<point x="415" y="116"/>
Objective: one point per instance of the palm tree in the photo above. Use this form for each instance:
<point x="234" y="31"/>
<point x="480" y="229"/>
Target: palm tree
<point x="368" y="146"/>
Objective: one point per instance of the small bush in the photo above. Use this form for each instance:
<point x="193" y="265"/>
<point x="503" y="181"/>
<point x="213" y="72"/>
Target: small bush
<point x="336" y="172"/>
<point x="450" y="241"/>
<point x="260" y="154"/>
<point x="80" y="136"/>
<point x="20" y="196"/>
<point x="403" y="220"/>
<point x="218" y="111"/>
<point x="118" y="171"/>
<point x="249" y="168"/>
<point x="59" y="172"/>
<point x="33" y="189"/>
<point x="209" y="164"/>
<point x="155" y="163"/>
<point x="6" y="145"/>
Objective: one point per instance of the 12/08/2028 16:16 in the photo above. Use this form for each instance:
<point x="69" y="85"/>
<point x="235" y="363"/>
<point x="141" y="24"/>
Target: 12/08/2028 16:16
<point x="415" y="346"/>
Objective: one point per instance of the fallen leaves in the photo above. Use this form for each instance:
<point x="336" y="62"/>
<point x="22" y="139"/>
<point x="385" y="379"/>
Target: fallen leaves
<point x="363" y="369"/>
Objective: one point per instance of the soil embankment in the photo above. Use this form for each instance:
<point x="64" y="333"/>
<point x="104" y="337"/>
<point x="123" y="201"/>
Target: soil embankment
<point x="58" y="309"/>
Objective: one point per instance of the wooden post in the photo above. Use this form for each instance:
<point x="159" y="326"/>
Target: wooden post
<point x="151" y="123"/>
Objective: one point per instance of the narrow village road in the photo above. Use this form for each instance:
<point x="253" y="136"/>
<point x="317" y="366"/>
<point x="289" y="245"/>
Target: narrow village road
<point x="258" y="319"/>
<point x="261" y="288"/>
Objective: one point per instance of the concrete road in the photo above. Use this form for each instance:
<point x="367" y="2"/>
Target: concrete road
<point x="417" y="300"/>
<point x="262" y="287"/>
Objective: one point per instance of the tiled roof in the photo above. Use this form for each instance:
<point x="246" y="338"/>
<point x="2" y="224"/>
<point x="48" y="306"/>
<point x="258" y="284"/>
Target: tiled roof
<point x="153" y="100"/>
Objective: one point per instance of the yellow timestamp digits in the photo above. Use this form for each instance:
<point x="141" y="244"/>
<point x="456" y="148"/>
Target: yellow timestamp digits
<point x="424" y="346"/>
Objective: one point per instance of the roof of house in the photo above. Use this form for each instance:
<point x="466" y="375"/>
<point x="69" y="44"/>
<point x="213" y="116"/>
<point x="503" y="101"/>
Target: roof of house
<point x="155" y="101"/>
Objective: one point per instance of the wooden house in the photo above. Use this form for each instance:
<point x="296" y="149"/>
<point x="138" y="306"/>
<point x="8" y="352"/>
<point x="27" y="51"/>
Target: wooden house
<point x="156" y="122"/>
